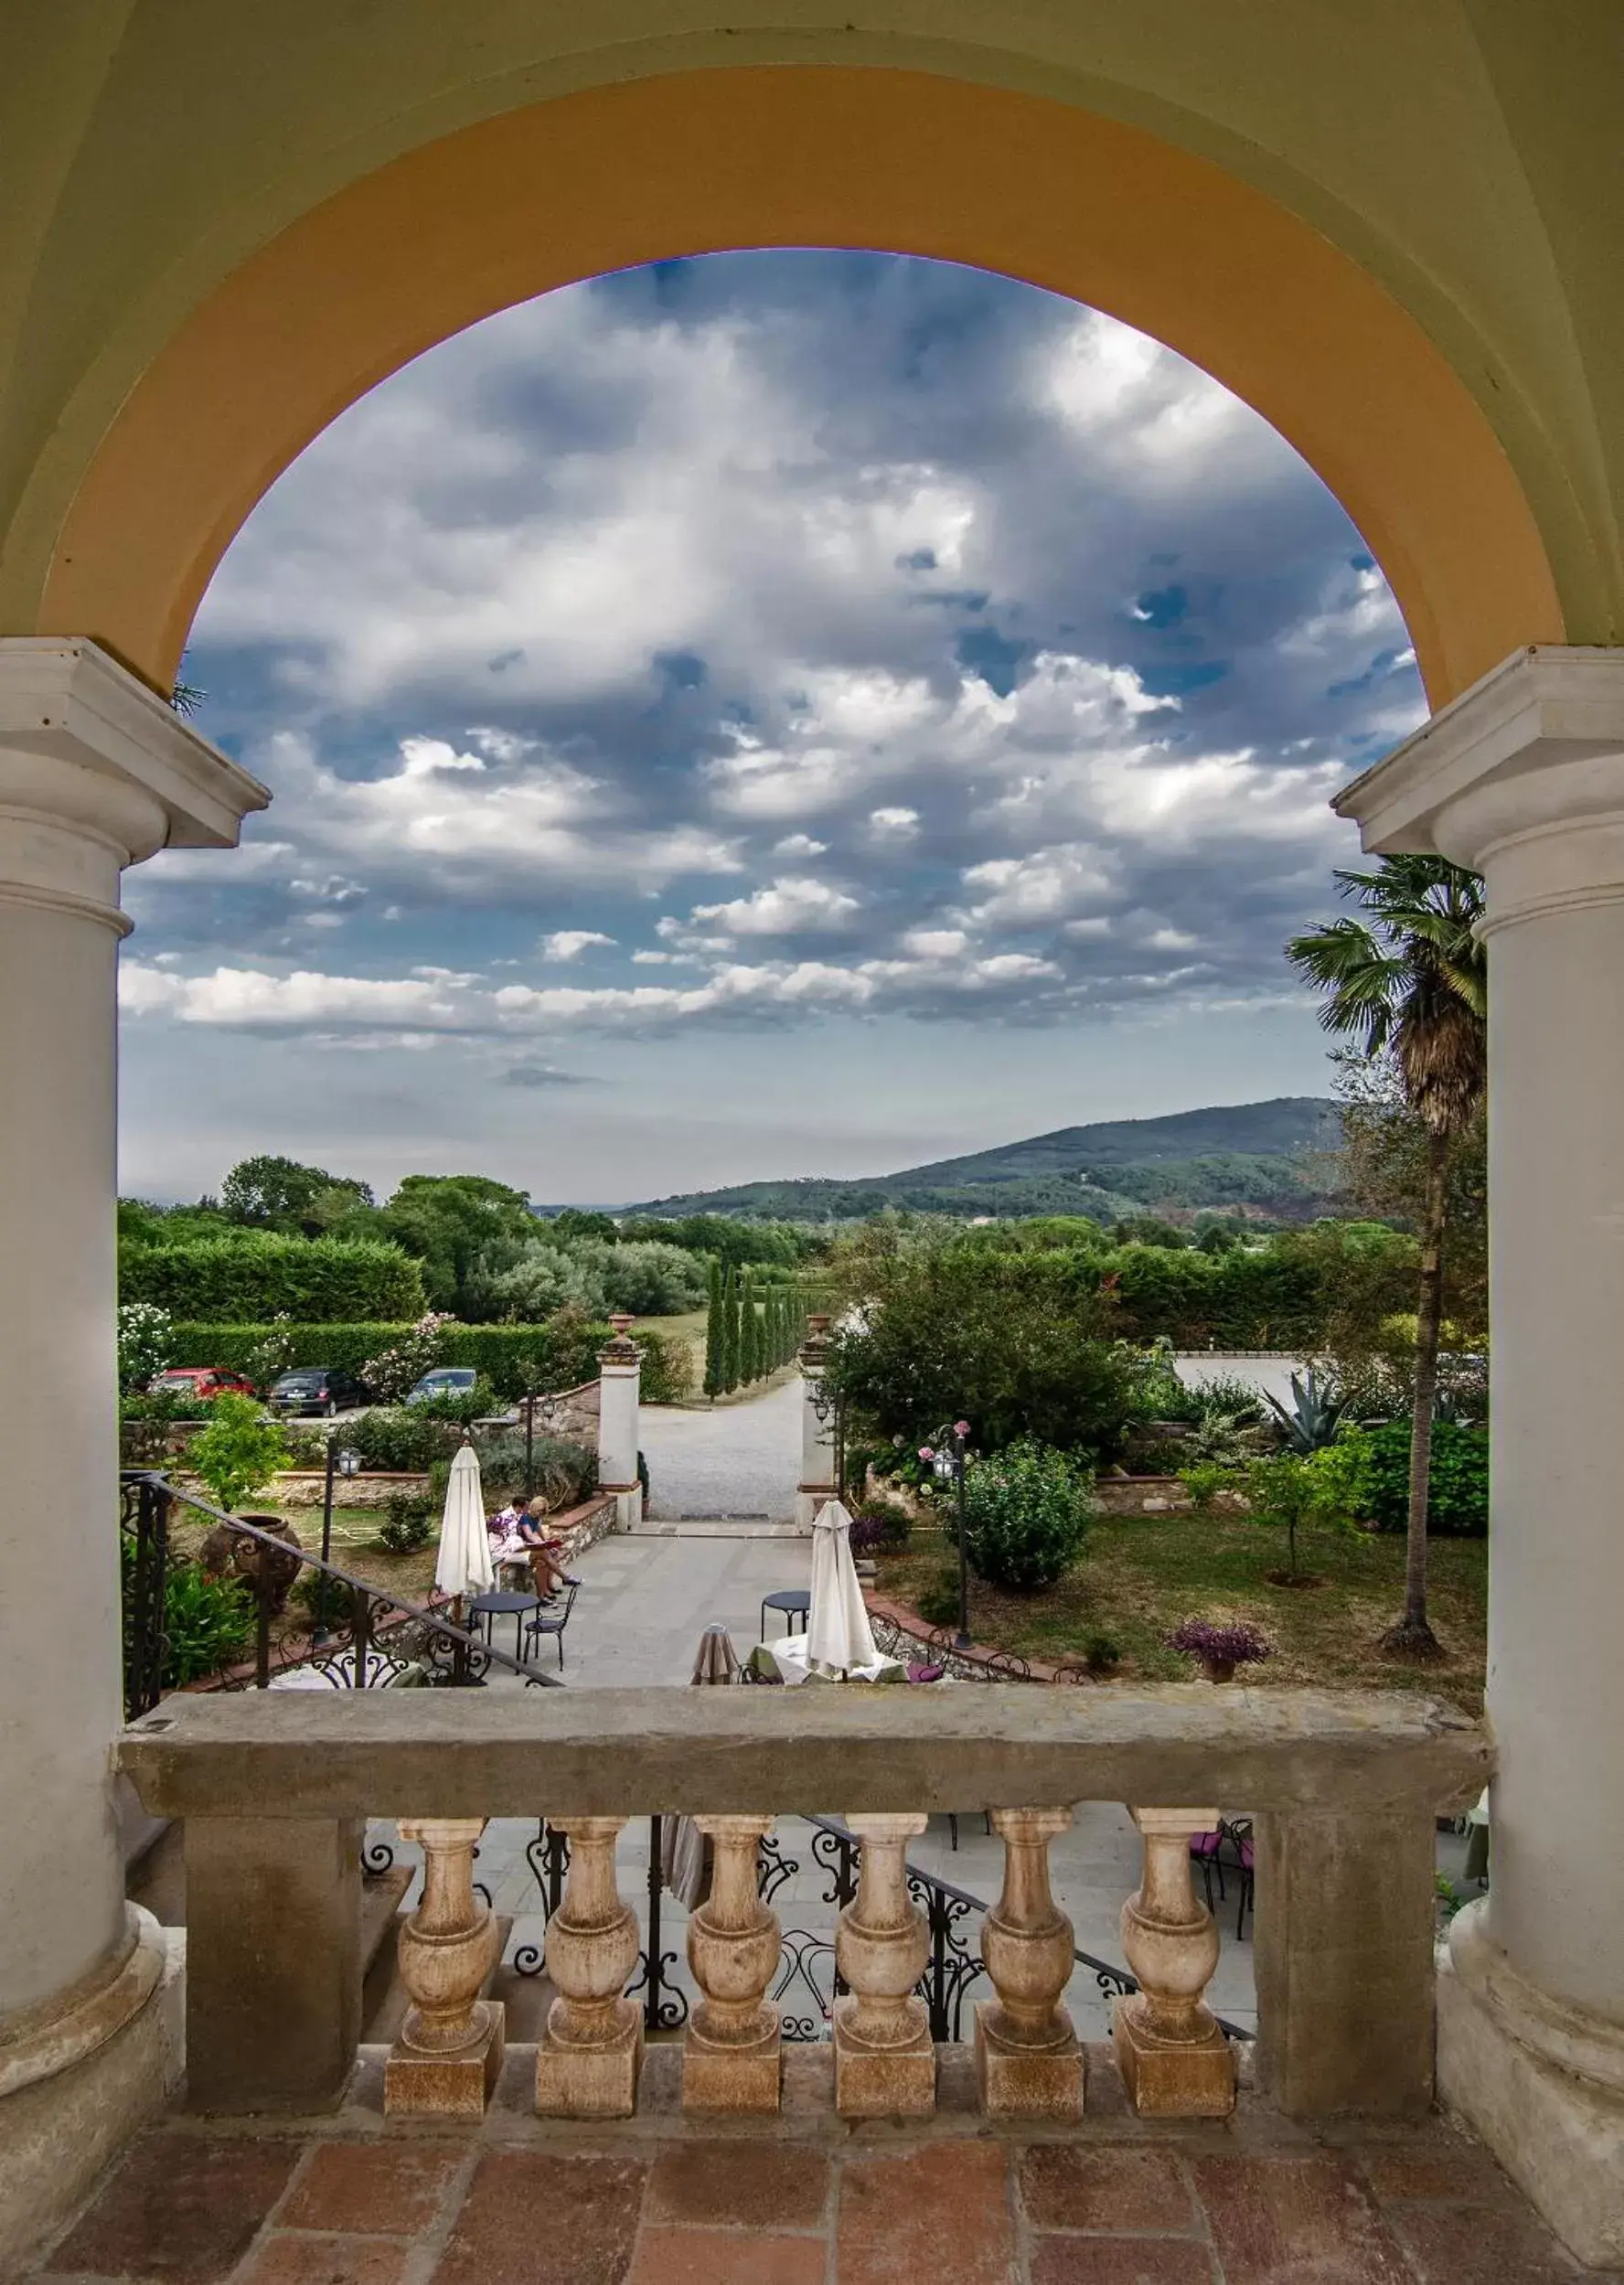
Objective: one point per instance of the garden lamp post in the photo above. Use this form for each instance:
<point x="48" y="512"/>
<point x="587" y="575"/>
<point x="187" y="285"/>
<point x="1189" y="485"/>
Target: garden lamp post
<point x="948" y="1461"/>
<point x="344" y="1462"/>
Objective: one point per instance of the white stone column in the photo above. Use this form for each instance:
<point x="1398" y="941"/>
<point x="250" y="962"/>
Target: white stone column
<point x="816" y="1482"/>
<point x="620" y="1368"/>
<point x="96" y="773"/>
<point x="1523" y="779"/>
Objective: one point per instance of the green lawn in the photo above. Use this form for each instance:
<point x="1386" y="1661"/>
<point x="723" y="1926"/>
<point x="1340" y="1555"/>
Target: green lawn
<point x="1140" y="1575"/>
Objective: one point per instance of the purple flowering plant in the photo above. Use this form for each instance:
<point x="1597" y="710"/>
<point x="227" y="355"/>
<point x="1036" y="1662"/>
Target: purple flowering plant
<point x="1237" y="1645"/>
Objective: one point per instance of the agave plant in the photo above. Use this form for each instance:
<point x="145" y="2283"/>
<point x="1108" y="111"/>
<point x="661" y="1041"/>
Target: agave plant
<point x="1316" y="1415"/>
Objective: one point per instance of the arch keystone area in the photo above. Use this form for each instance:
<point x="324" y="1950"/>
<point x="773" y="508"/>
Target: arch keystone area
<point x="702" y="162"/>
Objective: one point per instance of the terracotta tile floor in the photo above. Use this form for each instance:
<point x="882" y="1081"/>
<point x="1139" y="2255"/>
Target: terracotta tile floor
<point x="352" y="2200"/>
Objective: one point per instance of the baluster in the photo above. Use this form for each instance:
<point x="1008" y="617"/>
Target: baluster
<point x="587" y="2064"/>
<point x="884" y="2061"/>
<point x="730" y="2057"/>
<point x="446" y="2060"/>
<point x="1175" y="2061"/>
<point x="1028" y="2061"/>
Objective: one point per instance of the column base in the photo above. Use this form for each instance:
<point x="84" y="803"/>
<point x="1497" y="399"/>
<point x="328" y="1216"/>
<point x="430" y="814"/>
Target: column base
<point x="1190" y="2079"/>
<point x="882" y="2082"/>
<point x="61" y="2128"/>
<point x="1026" y="2082"/>
<point x="598" y="2082"/>
<point x="809" y="1497"/>
<point x="628" y="1505"/>
<point x="1541" y="2083"/>
<point x="454" y="2084"/>
<point x="737" y="2079"/>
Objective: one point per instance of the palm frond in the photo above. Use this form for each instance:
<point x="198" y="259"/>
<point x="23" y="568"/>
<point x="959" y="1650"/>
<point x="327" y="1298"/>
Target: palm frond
<point x="1408" y="973"/>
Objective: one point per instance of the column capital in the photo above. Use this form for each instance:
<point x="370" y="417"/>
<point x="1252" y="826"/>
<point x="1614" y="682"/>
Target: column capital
<point x="1520" y="778"/>
<point x="97" y="772"/>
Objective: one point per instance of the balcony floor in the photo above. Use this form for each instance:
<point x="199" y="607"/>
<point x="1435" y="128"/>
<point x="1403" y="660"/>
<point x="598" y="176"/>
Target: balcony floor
<point x="801" y="2200"/>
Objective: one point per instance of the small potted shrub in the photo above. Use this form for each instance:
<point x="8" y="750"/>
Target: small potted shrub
<point x="1102" y="1655"/>
<point x="1220" y="1648"/>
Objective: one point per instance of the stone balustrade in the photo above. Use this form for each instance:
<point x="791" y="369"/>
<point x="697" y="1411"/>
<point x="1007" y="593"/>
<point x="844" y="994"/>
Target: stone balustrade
<point x="275" y="1789"/>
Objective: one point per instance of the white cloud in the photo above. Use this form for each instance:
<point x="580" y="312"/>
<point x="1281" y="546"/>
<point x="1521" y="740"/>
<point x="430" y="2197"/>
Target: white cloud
<point x="569" y="944"/>
<point x="800" y="845"/>
<point x="247" y="998"/>
<point x="1049" y="885"/>
<point x="898" y="823"/>
<point x="787" y="907"/>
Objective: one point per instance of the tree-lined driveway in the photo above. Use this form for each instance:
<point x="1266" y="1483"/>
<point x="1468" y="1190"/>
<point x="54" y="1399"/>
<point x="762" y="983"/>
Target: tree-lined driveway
<point x="740" y="1460"/>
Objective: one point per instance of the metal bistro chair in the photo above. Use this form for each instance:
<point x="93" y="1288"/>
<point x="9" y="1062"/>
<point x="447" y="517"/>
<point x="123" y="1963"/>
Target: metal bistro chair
<point x="1206" y="1849"/>
<point x="553" y="1622"/>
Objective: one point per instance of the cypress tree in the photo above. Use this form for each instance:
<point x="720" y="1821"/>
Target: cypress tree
<point x="714" y="1332"/>
<point x="730" y="1332"/>
<point x="750" y="1355"/>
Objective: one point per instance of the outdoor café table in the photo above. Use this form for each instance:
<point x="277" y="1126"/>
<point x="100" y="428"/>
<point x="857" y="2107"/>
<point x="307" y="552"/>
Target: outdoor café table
<point x="484" y="1610"/>
<point x="792" y="1601"/>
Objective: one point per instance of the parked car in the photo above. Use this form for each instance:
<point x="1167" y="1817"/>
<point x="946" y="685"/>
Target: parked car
<point x="201" y="1382"/>
<point x="446" y="1380"/>
<point x="316" y="1388"/>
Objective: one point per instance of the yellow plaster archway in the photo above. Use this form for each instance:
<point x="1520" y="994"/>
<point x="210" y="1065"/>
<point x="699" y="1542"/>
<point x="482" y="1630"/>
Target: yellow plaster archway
<point x="704" y="161"/>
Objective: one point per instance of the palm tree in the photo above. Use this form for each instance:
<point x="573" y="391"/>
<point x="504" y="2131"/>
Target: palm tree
<point x="1408" y="977"/>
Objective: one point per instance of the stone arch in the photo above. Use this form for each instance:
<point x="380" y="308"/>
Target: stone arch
<point x="705" y="161"/>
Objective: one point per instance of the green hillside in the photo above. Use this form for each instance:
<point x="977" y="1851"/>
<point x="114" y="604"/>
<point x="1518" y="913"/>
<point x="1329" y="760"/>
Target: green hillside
<point x="1255" y="1154"/>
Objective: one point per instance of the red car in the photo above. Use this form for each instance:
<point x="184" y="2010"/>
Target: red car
<point x="201" y="1382"/>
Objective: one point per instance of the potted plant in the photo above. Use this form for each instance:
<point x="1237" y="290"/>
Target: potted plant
<point x="1220" y="1648"/>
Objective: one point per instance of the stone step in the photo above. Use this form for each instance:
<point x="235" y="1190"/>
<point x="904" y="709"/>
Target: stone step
<point x="714" y="1527"/>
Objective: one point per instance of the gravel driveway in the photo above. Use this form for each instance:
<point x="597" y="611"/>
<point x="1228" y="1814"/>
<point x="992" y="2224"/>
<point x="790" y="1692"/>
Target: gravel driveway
<point x="742" y="1459"/>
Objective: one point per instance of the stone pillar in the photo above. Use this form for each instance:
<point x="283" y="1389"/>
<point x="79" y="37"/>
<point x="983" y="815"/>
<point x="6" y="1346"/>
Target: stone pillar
<point x="729" y="2055"/>
<point x="620" y="1366"/>
<point x="1343" y="1953"/>
<point x="273" y="1962"/>
<point x="1175" y="2061"/>
<point x="96" y="773"/>
<point x="1523" y="779"/>
<point x="587" y="2065"/>
<point x="816" y="1482"/>
<point x="1027" y="2058"/>
<point x="448" y="2057"/>
<point x="884" y="2060"/>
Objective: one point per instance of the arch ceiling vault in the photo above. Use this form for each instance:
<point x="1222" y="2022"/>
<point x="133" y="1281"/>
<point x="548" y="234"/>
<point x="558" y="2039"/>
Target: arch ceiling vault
<point x="1384" y="230"/>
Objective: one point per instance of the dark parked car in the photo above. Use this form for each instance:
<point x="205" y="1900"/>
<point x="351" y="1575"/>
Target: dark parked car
<point x="316" y="1388"/>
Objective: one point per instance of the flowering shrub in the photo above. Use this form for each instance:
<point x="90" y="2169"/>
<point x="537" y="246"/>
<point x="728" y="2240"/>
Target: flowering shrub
<point x="1026" y="1513"/>
<point x="276" y="1354"/>
<point x="144" y="1341"/>
<point x="401" y="1367"/>
<point x="1237" y="1644"/>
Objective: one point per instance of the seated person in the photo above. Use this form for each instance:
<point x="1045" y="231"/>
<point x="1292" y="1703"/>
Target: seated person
<point x="545" y="1550"/>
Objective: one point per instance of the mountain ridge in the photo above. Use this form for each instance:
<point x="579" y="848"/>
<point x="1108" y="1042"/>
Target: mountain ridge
<point x="1236" y="1156"/>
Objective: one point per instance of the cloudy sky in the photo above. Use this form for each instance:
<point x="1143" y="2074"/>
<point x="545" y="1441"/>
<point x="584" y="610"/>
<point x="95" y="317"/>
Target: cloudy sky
<point x="776" y="713"/>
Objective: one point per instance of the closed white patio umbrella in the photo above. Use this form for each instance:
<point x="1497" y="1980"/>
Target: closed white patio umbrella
<point x="462" y="1565"/>
<point x="840" y="1639"/>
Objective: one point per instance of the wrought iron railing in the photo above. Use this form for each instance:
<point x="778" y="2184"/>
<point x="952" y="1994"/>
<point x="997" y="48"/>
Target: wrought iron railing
<point x="362" y="1637"/>
<point x="807" y="1981"/>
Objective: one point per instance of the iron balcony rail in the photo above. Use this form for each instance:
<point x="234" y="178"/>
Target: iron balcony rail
<point x="358" y="1630"/>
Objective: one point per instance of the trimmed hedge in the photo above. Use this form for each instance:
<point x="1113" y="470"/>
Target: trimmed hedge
<point x="229" y="1281"/>
<point x="1236" y="1301"/>
<point x="1457" y="1479"/>
<point x="568" y="1355"/>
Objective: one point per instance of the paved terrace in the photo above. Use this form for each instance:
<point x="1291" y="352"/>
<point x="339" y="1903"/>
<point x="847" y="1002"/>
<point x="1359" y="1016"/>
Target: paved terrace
<point x="801" y="2200"/>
